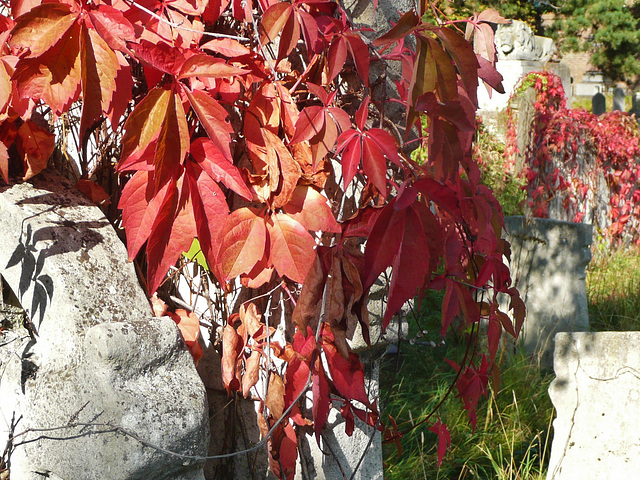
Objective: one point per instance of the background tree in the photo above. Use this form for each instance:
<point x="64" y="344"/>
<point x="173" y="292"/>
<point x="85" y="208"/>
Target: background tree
<point x="608" y="29"/>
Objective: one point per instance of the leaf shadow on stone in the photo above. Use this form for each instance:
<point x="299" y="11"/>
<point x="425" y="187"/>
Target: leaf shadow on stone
<point x="62" y="237"/>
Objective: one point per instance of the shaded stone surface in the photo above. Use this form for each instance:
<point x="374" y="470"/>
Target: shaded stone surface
<point x="548" y="261"/>
<point x="618" y="99"/>
<point x="596" y="393"/>
<point x="598" y="104"/>
<point x="96" y="365"/>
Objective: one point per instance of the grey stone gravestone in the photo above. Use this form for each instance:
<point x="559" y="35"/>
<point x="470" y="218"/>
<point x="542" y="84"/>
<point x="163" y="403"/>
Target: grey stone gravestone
<point x="635" y="105"/>
<point x="596" y="393"/>
<point x="598" y="104"/>
<point x="618" y="99"/>
<point x="99" y="390"/>
<point x="548" y="261"/>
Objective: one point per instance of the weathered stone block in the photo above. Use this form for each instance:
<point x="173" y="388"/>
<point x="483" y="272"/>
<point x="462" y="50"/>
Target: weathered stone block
<point x="99" y="389"/>
<point x="548" y="261"/>
<point x="596" y="393"/>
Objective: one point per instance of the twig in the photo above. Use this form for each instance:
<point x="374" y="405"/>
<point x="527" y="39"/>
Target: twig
<point x="180" y="27"/>
<point x="117" y="429"/>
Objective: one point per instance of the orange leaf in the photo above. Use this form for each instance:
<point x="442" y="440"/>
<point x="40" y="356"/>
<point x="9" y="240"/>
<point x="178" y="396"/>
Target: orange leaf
<point x="189" y="327"/>
<point x="242" y="243"/>
<point x="94" y="192"/>
<point x="292" y="248"/>
<point x="143" y="126"/>
<point x="232" y="346"/>
<point x="251" y="374"/>
<point x="310" y="208"/>
<point x="41" y="28"/>
<point x="54" y="77"/>
<point x="35" y="146"/>
<point x="206" y="66"/>
<point x="173" y="142"/>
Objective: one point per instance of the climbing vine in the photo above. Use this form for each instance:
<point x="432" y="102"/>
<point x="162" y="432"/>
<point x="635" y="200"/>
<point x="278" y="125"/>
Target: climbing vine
<point x="585" y="166"/>
<point x="253" y="136"/>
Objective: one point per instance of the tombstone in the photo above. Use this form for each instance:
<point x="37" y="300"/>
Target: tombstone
<point x="598" y="104"/>
<point x="635" y="105"/>
<point x="548" y="261"/>
<point x="595" y="393"/>
<point x="519" y="52"/>
<point x="618" y="99"/>
<point x="95" y="388"/>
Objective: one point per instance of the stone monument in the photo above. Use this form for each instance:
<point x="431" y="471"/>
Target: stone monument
<point x="548" y="261"/>
<point x="595" y="394"/>
<point x="94" y="387"/>
<point x="598" y="104"/>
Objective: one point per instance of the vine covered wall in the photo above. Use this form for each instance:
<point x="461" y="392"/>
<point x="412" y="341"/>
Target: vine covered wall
<point x="578" y="166"/>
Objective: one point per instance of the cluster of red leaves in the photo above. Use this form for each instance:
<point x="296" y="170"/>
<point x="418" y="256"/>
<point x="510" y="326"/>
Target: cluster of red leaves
<point x="572" y="150"/>
<point x="241" y="148"/>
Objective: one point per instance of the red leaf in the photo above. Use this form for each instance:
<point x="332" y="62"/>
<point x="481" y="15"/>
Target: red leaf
<point x="410" y="264"/>
<point x="347" y="374"/>
<point x="383" y="243"/>
<point x="140" y="206"/>
<point x="321" y="401"/>
<point x="113" y="27"/>
<point x="309" y="207"/>
<point x="209" y="207"/>
<point x="444" y="439"/>
<point x="160" y="55"/>
<point x="213" y="118"/>
<point x="336" y="57"/>
<point x="227" y="47"/>
<point x="374" y="164"/>
<point x="292" y="248"/>
<point x="310" y="123"/>
<point x="242" y="243"/>
<point x="350" y="143"/>
<point x="172" y="233"/>
<point x="213" y="161"/>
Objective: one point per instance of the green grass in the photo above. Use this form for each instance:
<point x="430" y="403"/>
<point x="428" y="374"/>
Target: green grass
<point x="613" y="290"/>
<point x="513" y="434"/>
<point x="513" y="423"/>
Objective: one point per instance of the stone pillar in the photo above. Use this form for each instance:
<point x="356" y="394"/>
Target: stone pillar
<point x="595" y="394"/>
<point x="113" y="386"/>
<point x="548" y="261"/>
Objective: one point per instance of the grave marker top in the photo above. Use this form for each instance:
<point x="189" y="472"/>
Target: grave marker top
<point x="598" y="104"/>
<point x="618" y="99"/>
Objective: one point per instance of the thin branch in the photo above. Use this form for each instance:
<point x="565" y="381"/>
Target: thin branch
<point x="180" y="27"/>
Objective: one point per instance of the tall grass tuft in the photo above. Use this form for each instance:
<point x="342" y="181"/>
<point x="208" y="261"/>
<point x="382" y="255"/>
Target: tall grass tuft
<point x="613" y="290"/>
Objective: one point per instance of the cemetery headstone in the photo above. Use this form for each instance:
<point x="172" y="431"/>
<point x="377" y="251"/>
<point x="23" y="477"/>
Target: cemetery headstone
<point x="635" y="105"/>
<point x="95" y="388"/>
<point x="598" y="104"/>
<point x="618" y="99"/>
<point x="596" y="393"/>
<point x="548" y="261"/>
